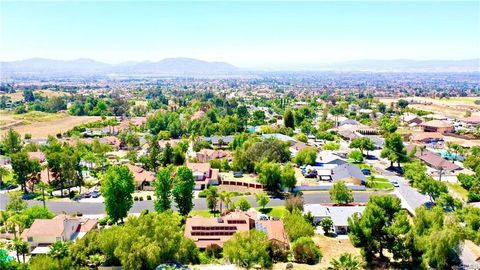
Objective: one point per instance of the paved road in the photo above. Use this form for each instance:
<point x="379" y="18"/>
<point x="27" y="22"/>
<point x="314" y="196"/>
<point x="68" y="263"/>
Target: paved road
<point x="96" y="208"/>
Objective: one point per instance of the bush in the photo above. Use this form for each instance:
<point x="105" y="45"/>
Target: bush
<point x="304" y="250"/>
<point x="71" y="194"/>
<point x="213" y="251"/>
<point x="278" y="252"/>
<point x="295" y="202"/>
<point x="141" y="198"/>
<point x="149" y="197"/>
<point x="203" y="193"/>
<point x="103" y="221"/>
<point x="296" y="226"/>
<point x="135" y="198"/>
<point x="79" y="214"/>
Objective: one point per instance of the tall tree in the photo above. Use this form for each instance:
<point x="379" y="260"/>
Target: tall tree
<point x="117" y="189"/>
<point x="59" y="251"/>
<point x="288" y="176"/>
<point x="153" y="154"/>
<point x="289" y="119"/>
<point x="340" y="193"/>
<point x="12" y="142"/>
<point x="382" y="226"/>
<point x="262" y="199"/>
<point x="183" y="190"/>
<point x="212" y="198"/>
<point x="363" y="144"/>
<point x="394" y="149"/>
<point x="163" y="190"/>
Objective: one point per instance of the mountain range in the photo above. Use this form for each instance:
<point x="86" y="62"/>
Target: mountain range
<point x="193" y="67"/>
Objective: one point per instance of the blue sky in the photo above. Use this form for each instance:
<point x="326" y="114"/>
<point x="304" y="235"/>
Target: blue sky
<point x="247" y="33"/>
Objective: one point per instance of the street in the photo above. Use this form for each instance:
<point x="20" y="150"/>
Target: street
<point x="98" y="208"/>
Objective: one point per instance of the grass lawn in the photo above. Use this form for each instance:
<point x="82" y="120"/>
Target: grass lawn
<point x="380" y="183"/>
<point x="366" y="166"/>
<point x="274" y="211"/>
<point x="459" y="190"/>
<point x="202" y="213"/>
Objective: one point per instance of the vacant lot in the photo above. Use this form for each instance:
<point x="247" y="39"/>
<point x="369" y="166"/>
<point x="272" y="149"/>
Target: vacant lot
<point x="453" y="107"/>
<point x="44" y="93"/>
<point x="40" y="125"/>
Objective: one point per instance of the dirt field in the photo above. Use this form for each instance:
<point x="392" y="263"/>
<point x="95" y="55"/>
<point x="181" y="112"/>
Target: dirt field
<point x="45" y="93"/>
<point x="41" y="125"/>
<point x="453" y="107"/>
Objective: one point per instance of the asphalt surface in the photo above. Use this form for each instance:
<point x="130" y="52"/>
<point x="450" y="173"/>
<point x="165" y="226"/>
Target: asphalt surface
<point x="97" y="208"/>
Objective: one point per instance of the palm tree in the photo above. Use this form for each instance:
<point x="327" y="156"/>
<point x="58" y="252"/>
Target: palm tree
<point x="42" y="187"/>
<point x="58" y="251"/>
<point x="346" y="261"/>
<point x="225" y="198"/>
<point x="20" y="247"/>
<point x="212" y="198"/>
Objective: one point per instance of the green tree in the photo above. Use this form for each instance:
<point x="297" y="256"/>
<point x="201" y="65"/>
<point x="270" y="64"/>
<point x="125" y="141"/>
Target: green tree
<point x="163" y="190"/>
<point x="331" y="146"/>
<point x="117" y="189"/>
<point x="394" y="149"/>
<point x="59" y="251"/>
<point x="402" y="103"/>
<point x="362" y="144"/>
<point x="16" y="204"/>
<point x="262" y="199"/>
<point x="243" y="204"/>
<point x="269" y="174"/>
<point x="212" y="198"/>
<point x="247" y="249"/>
<point x="346" y="261"/>
<point x="161" y="242"/>
<point x="340" y="193"/>
<point x="20" y="247"/>
<point x="12" y="142"/>
<point x="153" y="154"/>
<point x="288" y="119"/>
<point x="301" y="137"/>
<point x="296" y="226"/>
<point x="356" y="156"/>
<point x="183" y="190"/>
<point x="431" y="187"/>
<point x="288" y="176"/>
<point x="304" y="250"/>
<point x="327" y="225"/>
<point x="35" y="212"/>
<point x="226" y="199"/>
<point x="306" y="156"/>
<point x="382" y="226"/>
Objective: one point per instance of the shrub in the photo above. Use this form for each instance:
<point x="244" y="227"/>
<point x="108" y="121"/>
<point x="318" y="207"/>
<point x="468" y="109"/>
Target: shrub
<point x="79" y="214"/>
<point x="140" y="198"/>
<point x="295" y="202"/>
<point x="304" y="250"/>
<point x="213" y="251"/>
<point x="278" y="252"/>
<point x="203" y="193"/>
<point x="103" y="221"/>
<point x="149" y="197"/>
<point x="135" y="198"/>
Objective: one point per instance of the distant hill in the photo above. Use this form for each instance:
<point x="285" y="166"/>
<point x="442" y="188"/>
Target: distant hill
<point x="87" y="67"/>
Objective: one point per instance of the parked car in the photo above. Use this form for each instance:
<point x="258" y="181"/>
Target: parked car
<point x="96" y="194"/>
<point x="395" y="184"/>
<point x="366" y="172"/>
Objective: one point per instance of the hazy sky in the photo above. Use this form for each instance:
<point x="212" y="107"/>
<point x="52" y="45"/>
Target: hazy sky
<point x="246" y="34"/>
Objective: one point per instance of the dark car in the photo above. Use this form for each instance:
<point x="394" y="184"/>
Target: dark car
<point x="366" y="172"/>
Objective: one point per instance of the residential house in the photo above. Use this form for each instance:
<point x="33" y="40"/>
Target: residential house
<point x="348" y="173"/>
<point x="112" y="141"/>
<point x="205" y="155"/>
<point x="38" y="155"/>
<point x="472" y="120"/>
<point x="426" y="137"/>
<point x="434" y="160"/>
<point x="219" y="140"/>
<point x="143" y="178"/>
<point x="204" y="175"/>
<point x="438" y="126"/>
<point x="338" y="213"/>
<point x="45" y="232"/>
<point x="328" y="158"/>
<point x="216" y="231"/>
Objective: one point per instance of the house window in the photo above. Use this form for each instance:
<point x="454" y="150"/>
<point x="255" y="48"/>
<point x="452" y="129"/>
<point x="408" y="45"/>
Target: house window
<point x="30" y="239"/>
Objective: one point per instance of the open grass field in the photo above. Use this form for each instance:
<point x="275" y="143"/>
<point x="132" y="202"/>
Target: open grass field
<point x="453" y="107"/>
<point x="41" y="125"/>
<point x="458" y="190"/>
<point x="17" y="96"/>
<point x="380" y="183"/>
